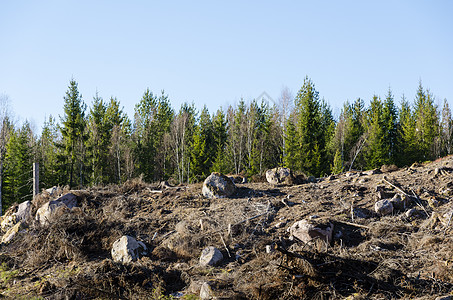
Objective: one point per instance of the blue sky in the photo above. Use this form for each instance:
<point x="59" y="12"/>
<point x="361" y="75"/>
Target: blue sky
<point x="214" y="53"/>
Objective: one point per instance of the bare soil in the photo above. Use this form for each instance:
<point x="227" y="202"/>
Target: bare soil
<point x="371" y="256"/>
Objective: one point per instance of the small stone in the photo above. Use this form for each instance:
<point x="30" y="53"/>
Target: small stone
<point x="411" y="212"/>
<point x="448" y="297"/>
<point x="269" y="249"/>
<point x="400" y="202"/>
<point x="307" y="230"/>
<point x="210" y="256"/>
<point x="280" y="224"/>
<point x="383" y="207"/>
<point x="206" y="292"/>
<point x="127" y="249"/>
<point x="433" y="202"/>
<point x="52" y="190"/>
<point x="360" y="213"/>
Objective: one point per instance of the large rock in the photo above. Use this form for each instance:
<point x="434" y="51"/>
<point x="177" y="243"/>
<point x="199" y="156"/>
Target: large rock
<point x="23" y="211"/>
<point x="383" y="207"/>
<point x="8" y="220"/>
<point x="279" y="175"/>
<point x="48" y="210"/>
<point x="218" y="185"/>
<point x="11" y="233"/>
<point x="127" y="249"/>
<point x="210" y="256"/>
<point x="15" y="214"/>
<point x="308" y="230"/>
<point x="400" y="202"/>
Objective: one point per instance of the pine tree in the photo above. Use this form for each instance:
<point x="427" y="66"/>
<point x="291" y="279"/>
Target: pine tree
<point x="144" y="135"/>
<point x="355" y="135"/>
<point x="310" y="132"/>
<point x="165" y="116"/>
<point x="292" y="156"/>
<point x="426" y="126"/>
<point x="337" y="166"/>
<point x="17" y="175"/>
<point x="220" y="136"/>
<point x="408" y="144"/>
<point x="375" y="152"/>
<point x="390" y="121"/>
<point x="202" y="146"/>
<point x="73" y="134"/>
<point x="98" y="140"/>
<point x="49" y="168"/>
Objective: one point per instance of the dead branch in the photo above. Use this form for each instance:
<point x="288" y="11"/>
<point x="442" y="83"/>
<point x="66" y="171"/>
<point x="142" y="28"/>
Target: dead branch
<point x="354" y="224"/>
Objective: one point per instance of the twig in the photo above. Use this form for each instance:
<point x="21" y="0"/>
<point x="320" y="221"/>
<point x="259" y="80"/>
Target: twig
<point x="354" y="224"/>
<point x="168" y="233"/>
<point x="254" y="217"/>
<point x="419" y="204"/>
<point x="223" y="242"/>
<point x="399" y="189"/>
<point x="448" y="223"/>
<point x="407" y="195"/>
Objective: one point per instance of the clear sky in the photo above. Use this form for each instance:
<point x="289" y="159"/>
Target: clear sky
<point x="214" y="52"/>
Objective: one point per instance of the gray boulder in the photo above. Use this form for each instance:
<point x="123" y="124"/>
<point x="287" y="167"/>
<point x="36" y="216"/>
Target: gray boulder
<point x="218" y="185"/>
<point x="49" y="209"/>
<point x="127" y="249"/>
<point x="279" y="175"/>
<point x="210" y="256"/>
<point x="308" y="230"/>
<point x="206" y="292"/>
<point x="383" y="207"/>
<point x="23" y="211"/>
<point x="400" y="202"/>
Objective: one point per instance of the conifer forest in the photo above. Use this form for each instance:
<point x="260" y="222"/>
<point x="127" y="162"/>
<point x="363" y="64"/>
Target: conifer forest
<point x="95" y="143"/>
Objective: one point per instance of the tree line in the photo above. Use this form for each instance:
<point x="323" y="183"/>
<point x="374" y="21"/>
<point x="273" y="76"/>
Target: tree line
<point x="101" y="145"/>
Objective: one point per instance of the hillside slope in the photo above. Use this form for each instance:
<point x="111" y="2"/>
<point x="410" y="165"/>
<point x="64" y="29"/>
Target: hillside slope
<point x="400" y="255"/>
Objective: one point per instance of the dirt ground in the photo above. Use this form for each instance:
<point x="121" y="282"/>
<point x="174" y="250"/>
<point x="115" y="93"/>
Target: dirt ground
<point x="371" y="256"/>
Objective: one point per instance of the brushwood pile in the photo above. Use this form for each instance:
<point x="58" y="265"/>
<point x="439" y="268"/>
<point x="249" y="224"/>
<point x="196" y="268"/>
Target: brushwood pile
<point x="376" y="234"/>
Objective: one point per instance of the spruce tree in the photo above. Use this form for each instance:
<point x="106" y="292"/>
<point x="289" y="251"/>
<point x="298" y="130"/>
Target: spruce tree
<point x="426" y="126"/>
<point x="407" y="153"/>
<point x="202" y="146"/>
<point x="311" y="143"/>
<point x="49" y="168"/>
<point x="292" y="156"/>
<point x="98" y="140"/>
<point x="220" y="136"/>
<point x="73" y="133"/>
<point x="144" y="135"/>
<point x="17" y="173"/>
<point x="390" y="121"/>
<point x="165" y="116"/>
<point x="375" y="152"/>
